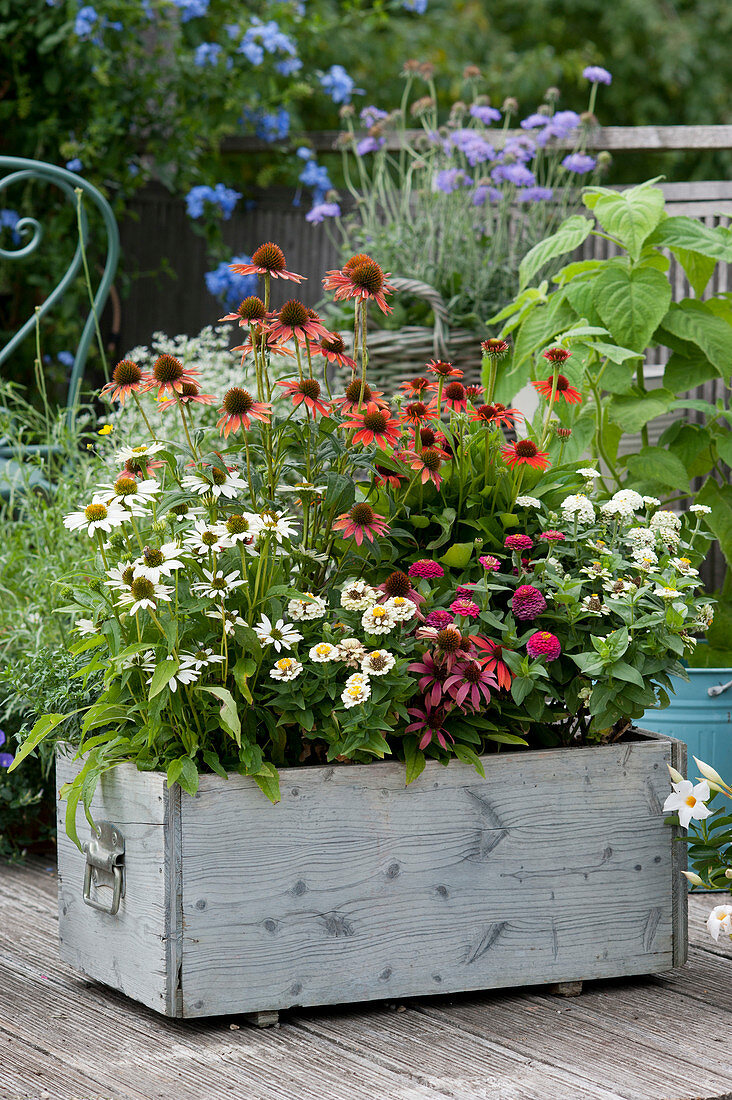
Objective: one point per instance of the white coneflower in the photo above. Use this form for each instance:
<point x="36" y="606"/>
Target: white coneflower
<point x="304" y="488"/>
<point x="578" y="507"/>
<point x="97" y="516"/>
<point x="214" y="482"/>
<point x="400" y="608"/>
<point x="378" y="662"/>
<point x="158" y="562"/>
<point x="281" y="635"/>
<point x="207" y="537"/>
<point x="139" y="453"/>
<point x="230" y="619"/>
<point x="314" y="607"/>
<point x="201" y="659"/>
<point x="120" y="577"/>
<point x="378" y="620"/>
<point x="323" y="653"/>
<point x="277" y="525"/>
<point x="287" y="668"/>
<point x="351" y="651"/>
<point x="217" y="585"/>
<point x="185" y="674"/>
<point x="242" y="527"/>
<point x="85" y="626"/>
<point x="133" y="494"/>
<point x="357" y="595"/>
<point x="144" y="595"/>
<point x="355" y="692"/>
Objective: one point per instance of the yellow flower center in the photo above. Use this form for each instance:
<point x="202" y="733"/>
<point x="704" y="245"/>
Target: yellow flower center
<point x="378" y="613"/>
<point x="285" y="664"/>
<point x="95" y="512"/>
<point x="690" y="801"/>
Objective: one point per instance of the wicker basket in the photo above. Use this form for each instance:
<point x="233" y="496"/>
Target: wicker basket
<point x="400" y="354"/>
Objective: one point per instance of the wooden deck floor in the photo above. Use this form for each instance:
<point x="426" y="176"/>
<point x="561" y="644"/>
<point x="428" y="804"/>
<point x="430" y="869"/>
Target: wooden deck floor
<point x="64" y="1038"/>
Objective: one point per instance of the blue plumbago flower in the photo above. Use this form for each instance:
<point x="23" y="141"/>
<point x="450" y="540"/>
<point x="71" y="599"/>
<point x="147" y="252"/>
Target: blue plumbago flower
<point x="289" y="66"/>
<point x="191" y="9"/>
<point x="597" y="75"/>
<point x="229" y="287"/>
<point x="449" y="180"/>
<point x="207" y="53"/>
<point x="74" y="165"/>
<point x="66" y="358"/>
<point x="5" y="758"/>
<point x="534" y="122"/>
<point x="272" y="125"/>
<point x="305" y="153"/>
<point x="517" y="174"/>
<point x="484" y="113"/>
<point x="579" y="163"/>
<point x="252" y="51"/>
<point x="418" y="6"/>
<point x="225" y="198"/>
<point x="323" y="210"/>
<point x="8" y="220"/>
<point x="339" y="85"/>
<point x="371" y="115"/>
<point x="559" y="126"/>
<point x="535" y="194"/>
<point x="315" y="175"/>
<point x="369" y="145"/>
<point x="484" y="194"/>
<point x="85" y="22"/>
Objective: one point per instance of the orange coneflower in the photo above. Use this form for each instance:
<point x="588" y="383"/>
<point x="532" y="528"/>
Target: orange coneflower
<point x="238" y="409"/>
<point x="169" y="376"/>
<point x="384" y="476"/>
<point x="443" y="369"/>
<point x="474" y="392"/>
<point x="334" y="350"/>
<point x="375" y="425"/>
<point x="525" y="453"/>
<point x="360" y="278"/>
<point x="307" y="390"/>
<point x="557" y="355"/>
<point x="455" y="396"/>
<point x="251" y="311"/>
<point x="268" y="259"/>
<point x="495" y="414"/>
<point x="361" y="520"/>
<point x="352" y="400"/>
<point x="417" y="413"/>
<point x="563" y="389"/>
<point x="428" y="462"/>
<point x="494" y="348"/>
<point x="126" y="379"/>
<point x="190" y="394"/>
<point x="415" y="388"/>
<point x="295" y="321"/>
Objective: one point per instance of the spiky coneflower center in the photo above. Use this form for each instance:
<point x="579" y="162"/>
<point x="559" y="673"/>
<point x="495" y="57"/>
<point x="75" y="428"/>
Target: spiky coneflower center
<point x="238" y="402"/>
<point x="431" y="459"/>
<point x="293" y="314"/>
<point x="353" y="390"/>
<point x="472" y="673"/>
<point x="427" y="437"/>
<point x="398" y="584"/>
<point x="237" y="525"/>
<point x="367" y="276"/>
<point x="486" y="412"/>
<point x="128" y="574"/>
<point x="179" y="510"/>
<point x="142" y="588"/>
<point x="126" y="373"/>
<point x="455" y="391"/>
<point x="375" y="421"/>
<point x="125" y="486"/>
<point x="442" y="368"/>
<point x="419" y="385"/>
<point x="209" y="538"/>
<point x="252" y="309"/>
<point x="190" y="389"/>
<point x="309" y="387"/>
<point x="334" y="343"/>
<point x="167" y="369"/>
<point x="526" y="449"/>
<point x="557" y="355"/>
<point x="494" y="348"/>
<point x="416" y="410"/>
<point x="362" y="514"/>
<point x="95" y="512"/>
<point x="356" y="261"/>
<point x="153" y="556"/>
<point x="562" y="383"/>
<point x="269" y="256"/>
<point x="449" y="639"/>
<point x="218" y="476"/>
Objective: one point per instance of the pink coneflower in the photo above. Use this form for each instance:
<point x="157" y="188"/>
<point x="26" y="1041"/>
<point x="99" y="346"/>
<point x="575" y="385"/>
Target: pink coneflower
<point x="438" y="619"/>
<point x="552" y="536"/>
<point x="250" y="311"/>
<point x="430" y="724"/>
<point x="494" y="349"/>
<point x="361" y="520"/>
<point x="494" y="661"/>
<point x="527" y="602"/>
<point x="294" y="321"/>
<point x="127" y="378"/>
<point x="465" y="607"/>
<point x="375" y="425"/>
<point x="471" y="683"/>
<point x="490" y="563"/>
<point x="387" y="477"/>
<point x="427" y="462"/>
<point x="268" y="259"/>
<point x="563" y="389"/>
<point x="443" y="369"/>
<point x="361" y="278"/>
<point x="544" y="644"/>
<point x="168" y="376"/>
<point x="399" y="584"/>
<point x="239" y="408"/>
<point x="431" y="678"/>
<point x="525" y="453"/>
<point x="424" y="568"/>
<point x="307" y="391"/>
<point x="334" y="350"/>
<point x="518" y="542"/>
<point x="495" y="414"/>
<point x="352" y="396"/>
<point x="417" y="413"/>
<point x="189" y="395"/>
<point x="556" y="355"/>
<point x="455" y="397"/>
<point x="415" y="388"/>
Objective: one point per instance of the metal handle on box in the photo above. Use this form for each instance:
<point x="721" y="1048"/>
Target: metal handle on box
<point x="105" y="854"/>
<point x="718" y="689"/>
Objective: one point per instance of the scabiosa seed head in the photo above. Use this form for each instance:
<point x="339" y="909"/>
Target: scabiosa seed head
<point x="126" y="373"/>
<point x="269" y="256"/>
<point x="398" y="584"/>
<point x="237" y="402"/>
<point x="518" y="542"/>
<point x="426" y="569"/>
<point x="527" y="602"/>
<point x="252" y="308"/>
<point x="167" y="369"/>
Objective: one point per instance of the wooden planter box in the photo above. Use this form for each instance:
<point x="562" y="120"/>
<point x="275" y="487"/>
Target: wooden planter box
<point x="556" y="868"/>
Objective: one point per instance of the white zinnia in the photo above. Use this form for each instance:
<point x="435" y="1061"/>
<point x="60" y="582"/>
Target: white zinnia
<point x="688" y="801"/>
<point x="665" y="521"/>
<point x="400" y="608"/>
<point x="528" y="502"/>
<point x="578" y="507"/>
<point x="357" y="595"/>
<point x="684" y="566"/>
<point x="281" y="635"/>
<point x="720" y="920"/>
<point x="97" y="516"/>
<point x="640" y="536"/>
<point x="287" y="668"/>
<point x="351" y="651"/>
<point x="314" y="607"/>
<point x="378" y="663"/>
<point x="651" y="502"/>
<point x="323" y="653"/>
<point x="589" y="473"/>
<point x="356" y="691"/>
<point x="700" y="509"/>
<point x="378" y="620"/>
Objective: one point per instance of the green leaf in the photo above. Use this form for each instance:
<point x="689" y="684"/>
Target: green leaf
<point x="684" y="372"/>
<point x="570" y="235"/>
<point x="535" y="333"/>
<point x="658" y="464"/>
<point x="630" y="215"/>
<point x="633" y="412"/>
<point x="724" y="447"/>
<point x="413" y="758"/>
<point x="184" y="772"/>
<point x="614" y="352"/>
<point x="623" y="671"/>
<point x="697" y="324"/>
<point x="161" y="675"/>
<point x="719" y="499"/>
<point x="41" y="729"/>
<point x="268" y="781"/>
<point x="632" y="303"/>
<point x="469" y="756"/>
<point x="699" y="269"/>
<point x="577" y="267"/>
<point x="506" y="738"/>
<point x="692" y="235"/>
<point x="212" y="759"/>
<point x="228" y="715"/>
<point x="458" y="555"/>
<point x="242" y="670"/>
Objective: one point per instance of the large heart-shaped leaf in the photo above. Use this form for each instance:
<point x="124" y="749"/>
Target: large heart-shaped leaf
<point x="695" y="323"/>
<point x="632" y="303"/>
<point x="630" y="215"/>
<point x="658" y="464"/>
<point x="570" y="235"/>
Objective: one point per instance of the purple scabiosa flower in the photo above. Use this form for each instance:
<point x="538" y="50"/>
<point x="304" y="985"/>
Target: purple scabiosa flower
<point x="438" y="619"/>
<point x="517" y="174"/>
<point x="371" y="115"/>
<point x="6" y="759"/>
<point x="484" y="113"/>
<point x="559" y="126"/>
<point x="527" y="602"/>
<point x="521" y="148"/>
<point x="485" y="194"/>
<point x="579" y="163"/>
<point x="323" y="210"/>
<point x="534" y="122"/>
<point x="476" y="149"/>
<point x="449" y="180"/>
<point x="535" y="194"/>
<point x="369" y="145"/>
<point x="225" y="198"/>
<point x="597" y="75"/>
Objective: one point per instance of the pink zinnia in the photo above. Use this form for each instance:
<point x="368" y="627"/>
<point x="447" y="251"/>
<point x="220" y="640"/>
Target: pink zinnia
<point x="527" y="602"/>
<point x="552" y="536"/>
<point x="465" y="607"/>
<point x="544" y="644"/>
<point x="438" y="619"/>
<point x="490" y="563"/>
<point x="465" y="591"/>
<point x="518" y="542"/>
<point x="426" y="569"/>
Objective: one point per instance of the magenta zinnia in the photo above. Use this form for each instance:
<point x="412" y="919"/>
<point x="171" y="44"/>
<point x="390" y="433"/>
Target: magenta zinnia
<point x="438" y="619"/>
<point x="465" y="607"/>
<point x="518" y="542"/>
<point x="425" y="568"/>
<point x="527" y="602"/>
<point x="360" y="521"/>
<point x="552" y="536"/>
<point x="544" y="644"/>
<point x="490" y="563"/>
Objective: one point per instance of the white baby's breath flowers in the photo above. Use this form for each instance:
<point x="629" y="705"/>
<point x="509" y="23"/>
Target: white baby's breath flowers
<point x="277" y="525"/>
<point x="378" y="663"/>
<point x="688" y="801"/>
<point x="356" y="691"/>
<point x="287" y="668"/>
<point x="378" y="620"/>
<point x="651" y="502"/>
<point x="720" y="921"/>
<point x="665" y="521"/>
<point x="217" y="585"/>
<point x="158" y="562"/>
<point x="214" y="482"/>
<point x="351" y="651"/>
<point x="314" y="607"/>
<point x="528" y="502"/>
<point x="323" y="653"/>
<point x="577" y="507"/>
<point x="281" y="635"/>
<point x="400" y="608"/>
<point x="97" y="516"/>
<point x="206" y="537"/>
<point x="700" y="509"/>
<point x="357" y="595"/>
<point x="144" y="595"/>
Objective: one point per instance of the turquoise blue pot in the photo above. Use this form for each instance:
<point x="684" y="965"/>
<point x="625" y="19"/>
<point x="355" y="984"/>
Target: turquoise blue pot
<point x="702" y="720"/>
